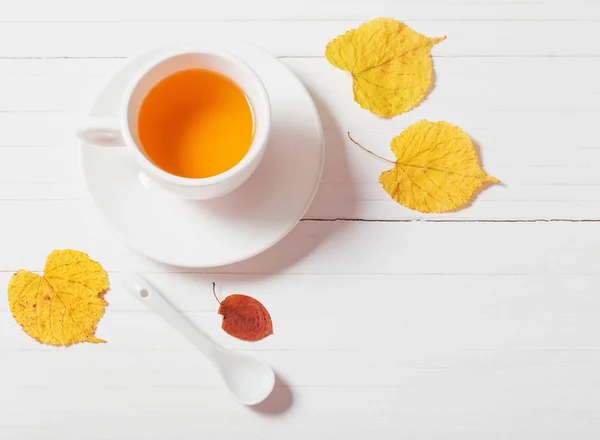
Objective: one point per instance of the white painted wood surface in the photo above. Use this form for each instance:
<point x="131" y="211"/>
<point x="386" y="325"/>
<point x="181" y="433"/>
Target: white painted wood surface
<point x="482" y="323"/>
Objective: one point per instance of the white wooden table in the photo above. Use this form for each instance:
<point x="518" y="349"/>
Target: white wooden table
<point x="480" y="324"/>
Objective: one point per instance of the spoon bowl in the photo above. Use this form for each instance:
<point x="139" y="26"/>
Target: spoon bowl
<point x="249" y="379"/>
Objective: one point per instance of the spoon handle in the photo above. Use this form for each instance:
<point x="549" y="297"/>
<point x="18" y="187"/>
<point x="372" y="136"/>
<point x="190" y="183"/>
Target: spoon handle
<point x="139" y="288"/>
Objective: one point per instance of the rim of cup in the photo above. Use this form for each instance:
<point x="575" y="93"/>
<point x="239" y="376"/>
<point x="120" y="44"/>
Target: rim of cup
<point x="259" y="140"/>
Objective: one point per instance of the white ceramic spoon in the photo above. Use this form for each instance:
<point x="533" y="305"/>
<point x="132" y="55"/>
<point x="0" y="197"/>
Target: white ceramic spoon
<point x="250" y="380"/>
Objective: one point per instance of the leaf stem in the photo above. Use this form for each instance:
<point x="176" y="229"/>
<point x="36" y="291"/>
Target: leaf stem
<point x="369" y="151"/>
<point x="215" y="293"/>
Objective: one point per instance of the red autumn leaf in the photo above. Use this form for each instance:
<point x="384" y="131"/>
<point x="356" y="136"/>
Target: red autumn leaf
<point x="245" y="318"/>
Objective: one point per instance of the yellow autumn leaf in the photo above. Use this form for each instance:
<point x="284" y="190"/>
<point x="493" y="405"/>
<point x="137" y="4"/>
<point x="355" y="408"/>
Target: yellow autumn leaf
<point x="389" y="62"/>
<point x="63" y="306"/>
<point x="436" y="168"/>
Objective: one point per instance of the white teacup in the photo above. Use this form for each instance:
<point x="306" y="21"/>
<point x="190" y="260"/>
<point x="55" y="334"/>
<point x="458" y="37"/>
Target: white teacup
<point x="122" y="130"/>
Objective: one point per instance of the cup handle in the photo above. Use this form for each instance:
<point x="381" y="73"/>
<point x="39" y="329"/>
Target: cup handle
<point x="105" y="132"/>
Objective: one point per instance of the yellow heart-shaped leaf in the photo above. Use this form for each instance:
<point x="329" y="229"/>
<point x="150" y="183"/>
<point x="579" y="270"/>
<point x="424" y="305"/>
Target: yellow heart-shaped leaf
<point x="389" y="62"/>
<point x="63" y="306"/>
<point x="436" y="168"/>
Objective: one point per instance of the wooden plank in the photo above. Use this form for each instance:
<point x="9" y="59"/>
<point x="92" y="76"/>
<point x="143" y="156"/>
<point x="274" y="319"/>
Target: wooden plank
<point x="491" y="84"/>
<point x="343" y="331"/>
<point x="325" y="293"/>
<point x="313" y="10"/>
<point x="395" y="366"/>
<point x="426" y="314"/>
<point x="466" y="38"/>
<point x="347" y="247"/>
<point x="536" y="412"/>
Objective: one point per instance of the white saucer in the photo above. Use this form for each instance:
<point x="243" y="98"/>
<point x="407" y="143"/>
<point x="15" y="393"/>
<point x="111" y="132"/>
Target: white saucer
<point x="225" y="230"/>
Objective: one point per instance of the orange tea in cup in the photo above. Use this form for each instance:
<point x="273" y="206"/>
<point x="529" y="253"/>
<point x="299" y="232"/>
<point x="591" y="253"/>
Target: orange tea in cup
<point x="195" y="123"/>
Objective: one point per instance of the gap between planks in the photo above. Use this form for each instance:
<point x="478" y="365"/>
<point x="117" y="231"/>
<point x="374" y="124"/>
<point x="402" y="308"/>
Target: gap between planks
<point x="28" y="58"/>
<point x="315" y="19"/>
<point x="549" y="220"/>
<point x="367" y="220"/>
<point x="206" y="272"/>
